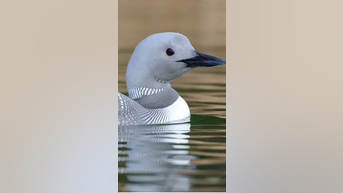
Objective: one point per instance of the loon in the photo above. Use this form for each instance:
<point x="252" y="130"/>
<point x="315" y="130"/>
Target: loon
<point x="156" y="61"/>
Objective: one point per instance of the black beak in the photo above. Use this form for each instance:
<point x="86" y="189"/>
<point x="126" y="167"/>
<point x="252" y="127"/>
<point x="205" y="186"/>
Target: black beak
<point x="202" y="60"/>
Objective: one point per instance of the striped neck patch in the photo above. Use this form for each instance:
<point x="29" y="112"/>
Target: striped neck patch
<point x="161" y="81"/>
<point x="136" y="93"/>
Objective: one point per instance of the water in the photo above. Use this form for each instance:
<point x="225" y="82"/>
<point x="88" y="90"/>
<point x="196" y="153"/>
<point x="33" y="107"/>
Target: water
<point x="181" y="157"/>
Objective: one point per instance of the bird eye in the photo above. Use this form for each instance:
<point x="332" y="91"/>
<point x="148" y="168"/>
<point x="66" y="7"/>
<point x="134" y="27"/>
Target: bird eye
<point x="170" y="52"/>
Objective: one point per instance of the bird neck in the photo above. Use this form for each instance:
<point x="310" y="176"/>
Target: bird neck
<point x="154" y="97"/>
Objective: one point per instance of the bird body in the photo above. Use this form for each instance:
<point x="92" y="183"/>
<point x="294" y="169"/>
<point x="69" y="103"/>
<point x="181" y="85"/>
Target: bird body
<point x="157" y="60"/>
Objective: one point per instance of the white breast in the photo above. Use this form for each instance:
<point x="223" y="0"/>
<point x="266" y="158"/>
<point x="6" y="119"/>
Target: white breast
<point x="178" y="111"/>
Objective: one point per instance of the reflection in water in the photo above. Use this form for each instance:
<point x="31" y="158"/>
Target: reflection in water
<point x="162" y="158"/>
<point x="155" y="153"/>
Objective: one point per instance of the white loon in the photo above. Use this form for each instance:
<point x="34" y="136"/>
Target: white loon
<point x="157" y="60"/>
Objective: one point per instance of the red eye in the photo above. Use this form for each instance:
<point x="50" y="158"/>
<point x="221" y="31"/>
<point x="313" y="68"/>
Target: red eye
<point x="170" y="52"/>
